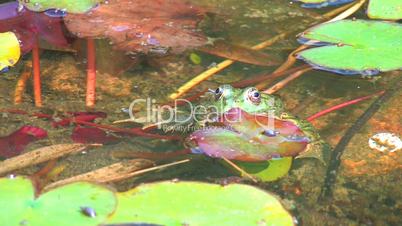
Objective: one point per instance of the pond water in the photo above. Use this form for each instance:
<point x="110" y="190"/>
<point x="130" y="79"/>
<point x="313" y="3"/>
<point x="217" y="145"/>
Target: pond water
<point x="367" y="190"/>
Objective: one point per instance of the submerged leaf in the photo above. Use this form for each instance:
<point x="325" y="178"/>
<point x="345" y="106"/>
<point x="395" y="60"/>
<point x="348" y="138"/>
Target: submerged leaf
<point x="72" y="6"/>
<point x="355" y="46"/>
<point x="239" y="53"/>
<point x="195" y="203"/>
<point x="385" y="9"/>
<point x="9" y="50"/>
<point x="141" y="26"/>
<point x="16" y="142"/>
<point x="92" y="136"/>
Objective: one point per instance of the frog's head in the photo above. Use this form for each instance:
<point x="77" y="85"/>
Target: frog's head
<point x="249" y="99"/>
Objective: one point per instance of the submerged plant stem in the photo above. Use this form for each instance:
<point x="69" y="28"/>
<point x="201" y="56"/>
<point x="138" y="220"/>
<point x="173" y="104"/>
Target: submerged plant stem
<point x="36" y="74"/>
<point x="336" y="154"/>
<point x="22" y="82"/>
<point x="287" y="80"/>
<point x="242" y="172"/>
<point x="340" y="106"/>
<point x="91" y="73"/>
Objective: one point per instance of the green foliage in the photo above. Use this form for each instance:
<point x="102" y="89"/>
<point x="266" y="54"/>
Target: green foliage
<point x="194" y="203"/>
<point x="195" y="58"/>
<point x="166" y="203"/>
<point x="356" y="45"/>
<point x="385" y="9"/>
<point x="60" y="206"/>
<point x="267" y="171"/>
<point x="72" y="6"/>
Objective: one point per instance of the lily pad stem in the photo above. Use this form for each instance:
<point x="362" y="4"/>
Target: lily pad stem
<point x="36" y="74"/>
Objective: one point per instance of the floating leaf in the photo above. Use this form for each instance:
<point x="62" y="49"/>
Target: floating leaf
<point x="355" y="46"/>
<point x="267" y="171"/>
<point x="385" y="9"/>
<point x="141" y="26"/>
<point x="68" y="205"/>
<point x="9" y="50"/>
<point x="27" y="25"/>
<point x="195" y="203"/>
<point x="72" y="6"/>
<point x="250" y="138"/>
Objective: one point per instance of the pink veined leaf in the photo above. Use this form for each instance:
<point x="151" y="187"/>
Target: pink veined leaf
<point x="15" y="143"/>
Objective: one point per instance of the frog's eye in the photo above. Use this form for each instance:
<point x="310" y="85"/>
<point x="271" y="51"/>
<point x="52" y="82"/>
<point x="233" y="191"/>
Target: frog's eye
<point x="218" y="92"/>
<point x="254" y="96"/>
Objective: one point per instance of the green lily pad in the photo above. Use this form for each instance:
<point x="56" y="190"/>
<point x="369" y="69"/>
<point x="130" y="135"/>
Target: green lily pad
<point x="385" y="9"/>
<point x="194" y="203"/>
<point x="61" y="206"/>
<point x="271" y="170"/>
<point x="355" y="46"/>
<point x="72" y="6"/>
<point x="9" y="50"/>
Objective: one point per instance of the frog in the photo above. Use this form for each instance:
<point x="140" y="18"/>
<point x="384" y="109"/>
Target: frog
<point x="253" y="102"/>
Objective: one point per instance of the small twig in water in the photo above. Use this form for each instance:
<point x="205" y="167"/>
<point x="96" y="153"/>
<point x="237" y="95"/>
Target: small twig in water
<point x="286" y="81"/>
<point x="240" y="170"/>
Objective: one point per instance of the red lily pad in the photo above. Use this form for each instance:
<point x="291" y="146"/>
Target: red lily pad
<point x="27" y="25"/>
<point x="16" y="142"/>
<point x="141" y="26"/>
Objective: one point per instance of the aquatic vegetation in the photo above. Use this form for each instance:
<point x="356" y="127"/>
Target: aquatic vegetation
<point x="71" y="6"/>
<point x="170" y="26"/>
<point x="78" y="204"/>
<point x="372" y="47"/>
<point x="270" y="170"/>
<point x="92" y="136"/>
<point x="385" y="9"/>
<point x="10" y="47"/>
<point x="28" y="26"/>
<point x="250" y="138"/>
<point x="16" y="142"/>
<point x="377" y="9"/>
<point x="322" y="3"/>
<point x="239" y="53"/>
<point x="71" y="117"/>
<point x="195" y="203"/>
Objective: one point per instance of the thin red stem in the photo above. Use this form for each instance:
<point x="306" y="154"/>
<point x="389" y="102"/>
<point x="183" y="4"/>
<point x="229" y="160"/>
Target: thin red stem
<point x="91" y="73"/>
<point x="36" y="75"/>
<point x="340" y="106"/>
